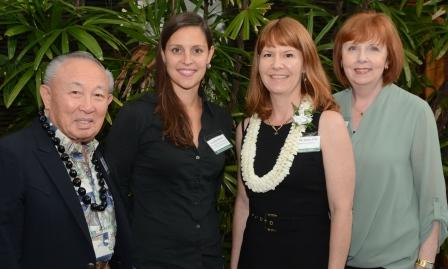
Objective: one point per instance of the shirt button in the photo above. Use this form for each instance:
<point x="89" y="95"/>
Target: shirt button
<point x="197" y="157"/>
<point x="198" y="226"/>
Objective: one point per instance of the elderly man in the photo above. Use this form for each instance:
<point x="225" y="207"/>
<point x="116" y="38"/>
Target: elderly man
<point x="57" y="206"/>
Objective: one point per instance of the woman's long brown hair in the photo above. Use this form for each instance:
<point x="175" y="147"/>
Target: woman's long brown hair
<point x="175" y="121"/>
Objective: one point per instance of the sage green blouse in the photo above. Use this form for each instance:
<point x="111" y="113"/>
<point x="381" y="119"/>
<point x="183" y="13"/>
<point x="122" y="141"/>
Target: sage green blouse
<point x="400" y="188"/>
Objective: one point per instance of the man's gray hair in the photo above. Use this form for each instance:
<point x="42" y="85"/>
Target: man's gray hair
<point x="54" y="65"/>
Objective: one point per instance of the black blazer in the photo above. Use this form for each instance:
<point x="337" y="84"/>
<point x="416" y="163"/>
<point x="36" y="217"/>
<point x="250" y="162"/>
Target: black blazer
<point x="42" y="224"/>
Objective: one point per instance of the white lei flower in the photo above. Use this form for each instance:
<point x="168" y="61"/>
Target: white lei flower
<point x="287" y="153"/>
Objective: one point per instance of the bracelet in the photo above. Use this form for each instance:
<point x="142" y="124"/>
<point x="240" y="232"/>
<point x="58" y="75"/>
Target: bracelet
<point x="424" y="263"/>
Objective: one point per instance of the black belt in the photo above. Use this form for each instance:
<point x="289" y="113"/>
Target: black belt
<point x="273" y="222"/>
<point x="270" y="221"/>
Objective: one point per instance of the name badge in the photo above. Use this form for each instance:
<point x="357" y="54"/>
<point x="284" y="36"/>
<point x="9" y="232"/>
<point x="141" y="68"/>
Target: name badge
<point x="219" y="143"/>
<point x="103" y="162"/>
<point x="309" y="143"/>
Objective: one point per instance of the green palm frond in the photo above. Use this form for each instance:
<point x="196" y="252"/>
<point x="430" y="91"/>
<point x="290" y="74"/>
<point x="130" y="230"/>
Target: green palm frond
<point x="250" y="18"/>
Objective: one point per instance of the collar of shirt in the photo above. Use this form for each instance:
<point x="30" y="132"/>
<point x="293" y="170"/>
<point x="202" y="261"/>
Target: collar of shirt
<point x="75" y="149"/>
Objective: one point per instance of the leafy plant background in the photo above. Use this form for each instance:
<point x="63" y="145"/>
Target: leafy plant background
<point x="124" y="35"/>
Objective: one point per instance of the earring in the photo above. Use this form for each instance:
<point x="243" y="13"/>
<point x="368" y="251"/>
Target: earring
<point x="209" y="65"/>
<point x="304" y="77"/>
<point x="386" y="66"/>
<point x="305" y="82"/>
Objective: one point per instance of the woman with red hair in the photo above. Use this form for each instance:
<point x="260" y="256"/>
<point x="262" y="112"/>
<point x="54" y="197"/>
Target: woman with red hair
<point x="296" y="180"/>
<point x="400" y="209"/>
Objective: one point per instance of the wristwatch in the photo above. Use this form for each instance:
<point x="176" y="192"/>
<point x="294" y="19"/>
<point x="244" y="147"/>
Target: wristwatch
<point x="424" y="264"/>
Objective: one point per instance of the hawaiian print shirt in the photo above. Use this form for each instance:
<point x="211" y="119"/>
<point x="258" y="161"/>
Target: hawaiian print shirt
<point x="102" y="225"/>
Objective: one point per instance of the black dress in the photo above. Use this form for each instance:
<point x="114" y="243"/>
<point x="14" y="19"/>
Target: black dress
<point x="288" y="227"/>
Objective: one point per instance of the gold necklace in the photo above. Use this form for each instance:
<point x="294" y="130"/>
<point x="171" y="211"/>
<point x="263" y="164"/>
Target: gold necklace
<point x="276" y="129"/>
<point x="358" y="111"/>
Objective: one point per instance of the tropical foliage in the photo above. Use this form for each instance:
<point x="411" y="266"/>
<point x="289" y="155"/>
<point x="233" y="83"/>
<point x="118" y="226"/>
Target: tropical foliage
<point x="36" y="31"/>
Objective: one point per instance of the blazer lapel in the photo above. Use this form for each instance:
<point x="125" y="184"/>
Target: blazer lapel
<point x="123" y="230"/>
<point x="51" y="162"/>
<point x="105" y="170"/>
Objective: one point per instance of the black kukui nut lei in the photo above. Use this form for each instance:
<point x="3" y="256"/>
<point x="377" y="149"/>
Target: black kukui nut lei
<point x="76" y="181"/>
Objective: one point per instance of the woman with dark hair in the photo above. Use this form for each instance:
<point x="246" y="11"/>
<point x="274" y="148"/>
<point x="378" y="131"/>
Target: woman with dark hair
<point x="400" y="210"/>
<point x="296" y="181"/>
<point x="166" y="154"/>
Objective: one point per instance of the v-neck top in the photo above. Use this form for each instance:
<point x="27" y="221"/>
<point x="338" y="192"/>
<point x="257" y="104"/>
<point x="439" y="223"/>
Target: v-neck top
<point x="400" y="187"/>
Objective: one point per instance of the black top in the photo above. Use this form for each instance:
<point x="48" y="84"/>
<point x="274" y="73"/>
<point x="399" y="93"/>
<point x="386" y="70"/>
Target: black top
<point x="297" y="209"/>
<point x="171" y="192"/>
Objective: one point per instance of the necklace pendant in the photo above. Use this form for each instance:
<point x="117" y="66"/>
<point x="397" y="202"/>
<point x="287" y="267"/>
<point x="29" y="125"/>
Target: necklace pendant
<point x="276" y="129"/>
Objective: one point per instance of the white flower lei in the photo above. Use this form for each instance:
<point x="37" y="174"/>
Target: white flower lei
<point x="302" y="117"/>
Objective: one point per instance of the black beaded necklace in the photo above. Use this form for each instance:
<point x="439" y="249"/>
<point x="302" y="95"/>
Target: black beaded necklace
<point x="76" y="181"/>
